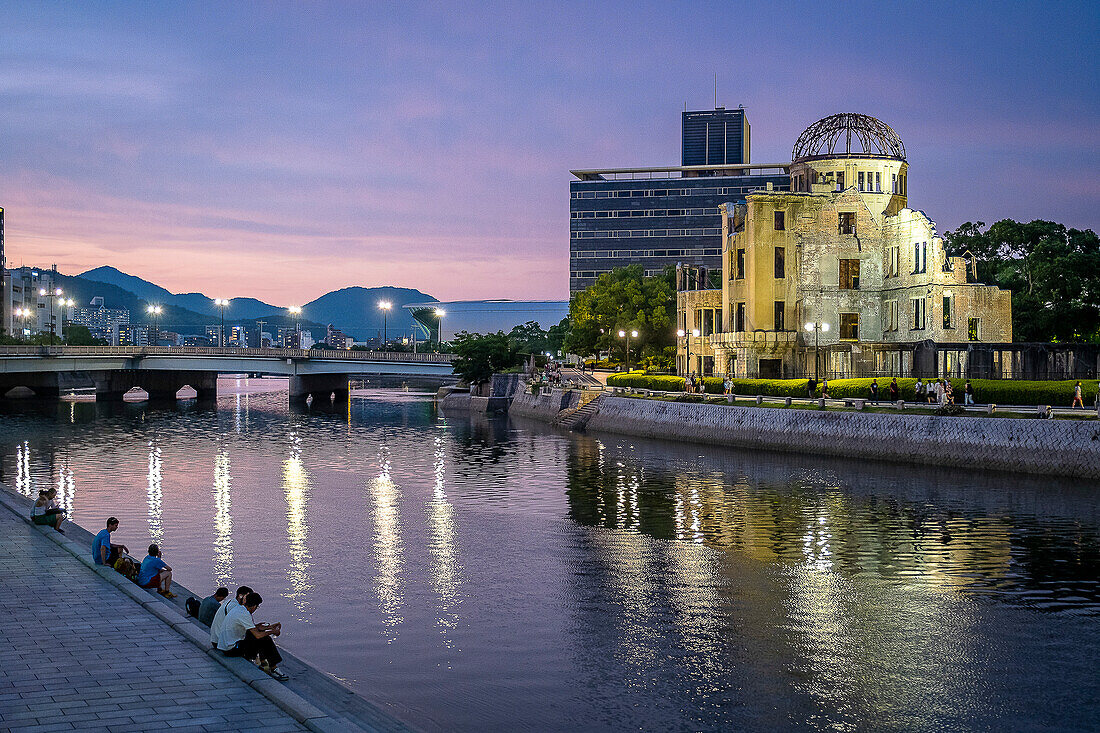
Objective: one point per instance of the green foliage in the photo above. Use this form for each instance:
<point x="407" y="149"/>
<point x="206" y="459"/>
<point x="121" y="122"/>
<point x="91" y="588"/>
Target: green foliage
<point x="478" y="356"/>
<point x="997" y="391"/>
<point x="661" y="362"/>
<point x="624" y="299"/>
<point x="77" y="335"/>
<point x="1053" y="273"/>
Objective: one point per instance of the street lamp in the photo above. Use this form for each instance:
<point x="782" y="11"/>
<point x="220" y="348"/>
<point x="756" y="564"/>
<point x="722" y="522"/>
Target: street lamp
<point x="385" y="305"/>
<point x="296" y="311"/>
<point x="221" y="303"/>
<point x="24" y="314"/>
<point x="439" y="313"/>
<point x="687" y="360"/>
<point x="628" y="335"/>
<point x="155" y="311"/>
<point x="816" y="327"/>
<point x="66" y="303"/>
<point x="57" y="293"/>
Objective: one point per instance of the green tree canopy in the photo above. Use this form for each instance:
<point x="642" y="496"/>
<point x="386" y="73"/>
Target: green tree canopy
<point x="478" y="356"/>
<point x="1053" y="273"/>
<point x="624" y="299"/>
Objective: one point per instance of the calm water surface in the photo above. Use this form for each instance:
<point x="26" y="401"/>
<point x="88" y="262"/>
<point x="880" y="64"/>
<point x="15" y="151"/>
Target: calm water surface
<point x="475" y="574"/>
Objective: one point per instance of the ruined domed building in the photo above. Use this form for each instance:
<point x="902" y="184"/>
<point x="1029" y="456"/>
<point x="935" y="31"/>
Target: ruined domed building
<point x="838" y="275"/>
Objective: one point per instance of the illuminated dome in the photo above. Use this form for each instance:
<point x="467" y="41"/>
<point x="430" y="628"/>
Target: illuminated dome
<point x="848" y="136"/>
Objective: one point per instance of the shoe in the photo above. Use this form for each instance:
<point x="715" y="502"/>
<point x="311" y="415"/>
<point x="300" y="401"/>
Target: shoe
<point x="279" y="675"/>
<point x="167" y="593"/>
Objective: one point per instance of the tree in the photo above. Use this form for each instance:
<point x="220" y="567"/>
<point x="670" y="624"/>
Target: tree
<point x="77" y="335"/>
<point x="477" y="356"/>
<point x="1053" y="273"/>
<point x="528" y="338"/>
<point x="624" y="299"/>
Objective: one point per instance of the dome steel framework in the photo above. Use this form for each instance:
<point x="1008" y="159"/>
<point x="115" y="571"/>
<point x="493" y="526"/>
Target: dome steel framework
<point x="833" y="137"/>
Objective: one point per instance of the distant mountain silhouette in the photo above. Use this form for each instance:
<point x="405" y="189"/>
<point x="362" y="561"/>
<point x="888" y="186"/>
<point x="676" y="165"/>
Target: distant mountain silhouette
<point x="353" y="310"/>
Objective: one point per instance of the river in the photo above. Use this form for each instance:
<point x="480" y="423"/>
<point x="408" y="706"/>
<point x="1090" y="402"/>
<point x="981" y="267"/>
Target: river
<point x="478" y="574"/>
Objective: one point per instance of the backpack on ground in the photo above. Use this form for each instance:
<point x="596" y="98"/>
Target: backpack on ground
<point x="192" y="605"/>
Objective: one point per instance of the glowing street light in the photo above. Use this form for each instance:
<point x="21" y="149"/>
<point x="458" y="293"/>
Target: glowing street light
<point x="439" y="313"/>
<point x="681" y="333"/>
<point x="221" y="303"/>
<point x="52" y="296"/>
<point x="155" y="311"/>
<point x="296" y="311"/>
<point x="628" y="336"/>
<point x="384" y="306"/>
<point x="24" y="314"/>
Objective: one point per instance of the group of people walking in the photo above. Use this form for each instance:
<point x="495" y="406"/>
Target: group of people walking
<point x="232" y="629"/>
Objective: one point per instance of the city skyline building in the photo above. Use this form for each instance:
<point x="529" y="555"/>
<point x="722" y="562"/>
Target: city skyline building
<point x="664" y="216"/>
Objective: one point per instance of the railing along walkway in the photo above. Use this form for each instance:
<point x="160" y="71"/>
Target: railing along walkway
<point x="227" y="352"/>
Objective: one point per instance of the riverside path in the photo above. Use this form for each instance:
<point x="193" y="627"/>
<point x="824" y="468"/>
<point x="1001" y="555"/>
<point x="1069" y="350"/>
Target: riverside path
<point x="78" y="654"/>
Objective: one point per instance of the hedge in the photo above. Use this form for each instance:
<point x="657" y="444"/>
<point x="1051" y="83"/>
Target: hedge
<point x="998" y="391"/>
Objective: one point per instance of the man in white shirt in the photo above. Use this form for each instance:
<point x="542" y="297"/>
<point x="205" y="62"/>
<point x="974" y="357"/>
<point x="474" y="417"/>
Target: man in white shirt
<point x="240" y="636"/>
<point x="223" y="610"/>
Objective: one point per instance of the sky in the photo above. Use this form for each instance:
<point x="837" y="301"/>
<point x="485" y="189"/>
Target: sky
<point x="282" y="150"/>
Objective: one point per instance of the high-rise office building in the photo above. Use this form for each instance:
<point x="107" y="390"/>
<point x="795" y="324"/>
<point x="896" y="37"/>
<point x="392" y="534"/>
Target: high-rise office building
<point x="715" y="137"/>
<point x="663" y="216"/>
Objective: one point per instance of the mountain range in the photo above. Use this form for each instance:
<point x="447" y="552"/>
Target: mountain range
<point x="353" y="309"/>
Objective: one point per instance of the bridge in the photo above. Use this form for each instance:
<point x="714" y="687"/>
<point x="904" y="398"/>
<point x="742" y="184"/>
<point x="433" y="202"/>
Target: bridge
<point x="162" y="370"/>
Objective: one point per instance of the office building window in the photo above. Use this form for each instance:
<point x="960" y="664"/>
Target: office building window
<point x="918" y="311"/>
<point x="849" y="274"/>
<point x="739" y="321"/>
<point x="780" y="309"/>
<point x="947" y="311"/>
<point x="973" y="329"/>
<point x="861" y="175"/>
<point x="780" y="262"/>
<point x="740" y="264"/>
<point x="849" y="326"/>
<point x="780" y="221"/>
<point x="878" y="182"/>
<point x="847" y="222"/>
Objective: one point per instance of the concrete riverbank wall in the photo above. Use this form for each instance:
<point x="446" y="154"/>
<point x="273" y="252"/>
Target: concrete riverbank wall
<point x="545" y="405"/>
<point x="1052" y="447"/>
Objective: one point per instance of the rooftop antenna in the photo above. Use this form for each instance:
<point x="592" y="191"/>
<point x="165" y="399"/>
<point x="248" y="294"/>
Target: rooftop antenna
<point x="716" y="90"/>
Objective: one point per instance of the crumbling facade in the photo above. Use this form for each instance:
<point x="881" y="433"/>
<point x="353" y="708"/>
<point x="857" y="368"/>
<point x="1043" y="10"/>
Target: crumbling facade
<point x="838" y="276"/>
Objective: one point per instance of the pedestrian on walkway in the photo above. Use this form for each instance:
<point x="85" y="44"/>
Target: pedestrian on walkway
<point x="918" y="390"/>
<point x="825" y="389"/>
<point x="727" y="386"/>
<point x="241" y="636"/>
<point x="1078" y="398"/>
<point x="948" y="393"/>
<point x="155" y="573"/>
<point x="811" y="387"/>
<point x="103" y="551"/>
<point x="874" y="391"/>
<point x="968" y="393"/>
<point x="210" y="606"/>
<point x="894" y="391"/>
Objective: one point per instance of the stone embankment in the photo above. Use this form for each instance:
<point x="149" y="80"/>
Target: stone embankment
<point x="1053" y="447"/>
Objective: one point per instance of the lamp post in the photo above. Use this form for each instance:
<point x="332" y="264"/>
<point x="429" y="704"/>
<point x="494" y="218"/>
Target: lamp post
<point x="221" y="303"/>
<point x="57" y="293"/>
<point x="154" y="311"/>
<point x="816" y="327"/>
<point x="627" y="335"/>
<point x="439" y="313"/>
<point x="24" y="314"/>
<point x="385" y="306"/>
<point x="67" y="303"/>
<point x="296" y="311"/>
<point x="687" y="359"/>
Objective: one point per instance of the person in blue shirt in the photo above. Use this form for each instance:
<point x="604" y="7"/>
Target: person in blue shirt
<point x="103" y="552"/>
<point x="155" y="573"/>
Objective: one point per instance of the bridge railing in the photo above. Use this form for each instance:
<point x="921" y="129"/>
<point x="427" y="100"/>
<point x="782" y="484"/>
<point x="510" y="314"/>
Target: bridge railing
<point x="229" y="352"/>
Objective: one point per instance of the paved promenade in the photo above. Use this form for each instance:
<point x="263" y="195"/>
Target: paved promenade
<point x="77" y="654"/>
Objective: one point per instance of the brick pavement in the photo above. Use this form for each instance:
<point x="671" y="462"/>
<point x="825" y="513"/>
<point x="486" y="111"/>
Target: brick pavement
<point x="64" y="668"/>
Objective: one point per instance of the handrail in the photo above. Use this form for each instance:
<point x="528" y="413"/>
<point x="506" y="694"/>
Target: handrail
<point x="230" y="352"/>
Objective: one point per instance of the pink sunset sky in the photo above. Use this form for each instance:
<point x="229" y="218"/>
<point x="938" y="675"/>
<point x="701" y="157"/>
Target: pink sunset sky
<point x="281" y="150"/>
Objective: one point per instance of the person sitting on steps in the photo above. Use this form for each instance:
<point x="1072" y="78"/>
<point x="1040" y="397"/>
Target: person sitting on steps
<point x="210" y="606"/>
<point x="155" y="573"/>
<point x="240" y="636"/>
<point x="103" y="552"/>
<point x="46" y="511"/>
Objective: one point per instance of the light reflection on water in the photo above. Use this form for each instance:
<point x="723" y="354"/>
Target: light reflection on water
<point x="489" y="574"/>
